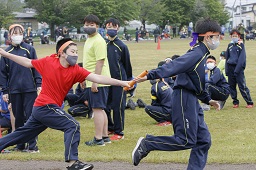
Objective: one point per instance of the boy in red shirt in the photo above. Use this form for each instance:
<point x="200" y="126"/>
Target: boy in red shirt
<point x="59" y="71"/>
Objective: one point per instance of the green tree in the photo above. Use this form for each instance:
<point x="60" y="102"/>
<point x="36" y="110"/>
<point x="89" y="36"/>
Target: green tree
<point x="152" y="11"/>
<point x="104" y="9"/>
<point x="185" y="11"/>
<point x="72" y="13"/>
<point x="179" y="12"/>
<point x="49" y="11"/>
<point x="6" y="12"/>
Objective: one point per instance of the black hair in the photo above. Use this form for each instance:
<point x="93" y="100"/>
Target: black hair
<point x="92" y="18"/>
<point x="175" y="56"/>
<point x="114" y="22"/>
<point x="160" y="63"/>
<point x="211" y="57"/>
<point x="223" y="54"/>
<point x="235" y="31"/>
<point x="61" y="42"/>
<point x="205" y="25"/>
<point x="80" y="64"/>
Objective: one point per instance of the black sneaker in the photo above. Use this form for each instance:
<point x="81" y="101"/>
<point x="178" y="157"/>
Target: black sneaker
<point x="141" y="104"/>
<point x="130" y="104"/>
<point x="106" y="140"/>
<point x="139" y="152"/>
<point x="80" y="165"/>
<point x="95" y="142"/>
<point x="90" y="115"/>
<point x="35" y="150"/>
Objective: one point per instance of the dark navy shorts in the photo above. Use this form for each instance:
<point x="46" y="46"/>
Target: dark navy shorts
<point x="99" y="99"/>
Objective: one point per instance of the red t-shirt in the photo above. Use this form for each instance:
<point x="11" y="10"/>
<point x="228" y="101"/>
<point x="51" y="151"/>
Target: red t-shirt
<point x="56" y="79"/>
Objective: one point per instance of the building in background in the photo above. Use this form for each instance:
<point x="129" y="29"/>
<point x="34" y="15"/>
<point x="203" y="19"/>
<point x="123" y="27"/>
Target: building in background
<point x="241" y="11"/>
<point x="27" y="19"/>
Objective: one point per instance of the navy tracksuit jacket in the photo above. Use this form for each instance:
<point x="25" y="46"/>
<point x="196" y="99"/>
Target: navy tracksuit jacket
<point x="217" y="85"/>
<point x="76" y="102"/>
<point x="235" y="65"/>
<point x="121" y="69"/>
<point x="190" y="130"/>
<point x="161" y="105"/>
<point x="21" y="84"/>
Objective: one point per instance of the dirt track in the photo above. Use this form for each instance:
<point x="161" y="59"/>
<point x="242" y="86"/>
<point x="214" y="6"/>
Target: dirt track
<point x="54" y="165"/>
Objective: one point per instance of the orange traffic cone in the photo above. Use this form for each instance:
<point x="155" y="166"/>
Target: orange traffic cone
<point x="158" y="43"/>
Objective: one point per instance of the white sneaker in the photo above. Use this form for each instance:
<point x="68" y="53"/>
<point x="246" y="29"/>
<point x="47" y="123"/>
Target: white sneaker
<point x="205" y="107"/>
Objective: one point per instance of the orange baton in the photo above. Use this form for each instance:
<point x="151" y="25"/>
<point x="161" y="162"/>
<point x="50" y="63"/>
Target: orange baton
<point x="132" y="82"/>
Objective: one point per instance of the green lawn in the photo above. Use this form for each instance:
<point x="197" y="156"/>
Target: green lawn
<point x="232" y="130"/>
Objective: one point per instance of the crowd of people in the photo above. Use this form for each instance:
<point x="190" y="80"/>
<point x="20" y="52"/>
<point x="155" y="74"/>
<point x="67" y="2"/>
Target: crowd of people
<point x="178" y="83"/>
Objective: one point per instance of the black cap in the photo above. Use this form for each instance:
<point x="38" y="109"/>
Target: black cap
<point x="161" y="63"/>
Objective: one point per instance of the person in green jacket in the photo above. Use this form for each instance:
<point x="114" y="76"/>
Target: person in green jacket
<point x="222" y="63"/>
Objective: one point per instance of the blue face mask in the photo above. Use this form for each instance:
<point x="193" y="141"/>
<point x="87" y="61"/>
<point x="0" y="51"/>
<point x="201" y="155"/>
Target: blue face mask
<point x="235" y="40"/>
<point x="112" y="33"/>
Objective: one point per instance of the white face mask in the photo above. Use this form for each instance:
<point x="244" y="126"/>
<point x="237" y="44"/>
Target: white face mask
<point x="17" y="39"/>
<point x="214" y="44"/>
<point x="210" y="66"/>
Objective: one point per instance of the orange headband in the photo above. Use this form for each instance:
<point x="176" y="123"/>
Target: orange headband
<point x="64" y="46"/>
<point x="16" y="25"/>
<point x="209" y="34"/>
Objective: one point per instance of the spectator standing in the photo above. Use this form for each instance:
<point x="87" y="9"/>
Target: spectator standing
<point x="235" y="66"/>
<point x="121" y="69"/>
<point x="156" y="34"/>
<point x="22" y="94"/>
<point x="57" y="33"/>
<point x="6" y="37"/>
<point x="137" y="35"/>
<point x="241" y="30"/>
<point x="174" y="31"/>
<point x="96" y="61"/>
<point x="222" y="64"/>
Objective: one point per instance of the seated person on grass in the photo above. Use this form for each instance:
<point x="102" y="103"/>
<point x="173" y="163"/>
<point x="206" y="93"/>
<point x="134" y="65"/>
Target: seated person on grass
<point x="217" y="86"/>
<point x="79" y="103"/>
<point x="5" y="119"/>
<point x="161" y="95"/>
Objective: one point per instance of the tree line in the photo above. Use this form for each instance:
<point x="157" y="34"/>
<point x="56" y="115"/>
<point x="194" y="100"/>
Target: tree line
<point x="160" y="12"/>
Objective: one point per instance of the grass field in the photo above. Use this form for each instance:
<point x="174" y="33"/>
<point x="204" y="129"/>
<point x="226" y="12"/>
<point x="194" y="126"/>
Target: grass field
<point x="232" y="130"/>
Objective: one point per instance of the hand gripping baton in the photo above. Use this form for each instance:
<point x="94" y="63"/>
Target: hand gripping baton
<point x="132" y="82"/>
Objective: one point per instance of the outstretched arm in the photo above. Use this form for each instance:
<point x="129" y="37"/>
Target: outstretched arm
<point x="18" y="59"/>
<point x="106" y="80"/>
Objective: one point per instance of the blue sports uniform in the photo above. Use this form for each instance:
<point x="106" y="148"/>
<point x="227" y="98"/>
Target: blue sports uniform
<point x="78" y="107"/>
<point x="21" y="83"/>
<point x="160" y="108"/>
<point x="5" y="120"/>
<point x="190" y="129"/>
<point x="217" y="86"/>
<point x="121" y="69"/>
<point x="235" y="65"/>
